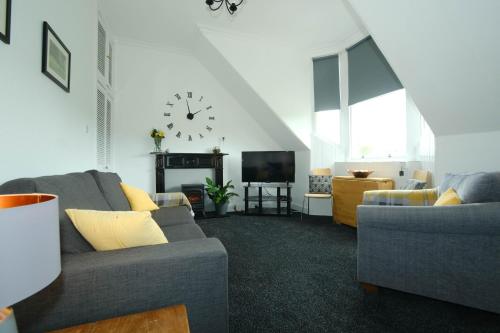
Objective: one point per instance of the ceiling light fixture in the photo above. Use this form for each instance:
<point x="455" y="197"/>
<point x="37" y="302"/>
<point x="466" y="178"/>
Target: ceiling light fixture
<point x="232" y="6"/>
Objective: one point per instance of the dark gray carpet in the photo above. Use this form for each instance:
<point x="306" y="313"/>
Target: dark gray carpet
<point x="287" y="275"/>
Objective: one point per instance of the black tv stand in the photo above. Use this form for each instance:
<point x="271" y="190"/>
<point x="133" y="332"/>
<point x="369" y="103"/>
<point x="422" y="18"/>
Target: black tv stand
<point x="260" y="199"/>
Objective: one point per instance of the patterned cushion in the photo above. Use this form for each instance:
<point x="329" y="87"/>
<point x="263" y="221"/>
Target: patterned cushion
<point x="413" y="184"/>
<point x="172" y="199"/>
<point x="400" y="197"/>
<point x="320" y="184"/>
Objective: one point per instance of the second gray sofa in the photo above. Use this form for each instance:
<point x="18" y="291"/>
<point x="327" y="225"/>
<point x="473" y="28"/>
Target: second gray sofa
<point x="191" y="269"/>
<point x="451" y="253"/>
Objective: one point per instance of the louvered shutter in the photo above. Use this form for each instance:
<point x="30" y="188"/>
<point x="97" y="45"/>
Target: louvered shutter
<point x="101" y="129"/>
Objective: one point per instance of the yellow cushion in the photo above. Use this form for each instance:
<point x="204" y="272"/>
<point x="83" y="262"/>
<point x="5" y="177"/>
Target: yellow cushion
<point x="116" y="230"/>
<point x="448" y="198"/>
<point x="139" y="200"/>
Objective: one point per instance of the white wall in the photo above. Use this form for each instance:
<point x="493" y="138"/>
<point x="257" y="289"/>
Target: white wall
<point x="278" y="73"/>
<point x="146" y="78"/>
<point x="43" y="129"/>
<point x="467" y="153"/>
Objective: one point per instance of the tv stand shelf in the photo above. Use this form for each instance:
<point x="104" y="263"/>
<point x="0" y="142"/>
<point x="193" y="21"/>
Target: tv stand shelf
<point x="278" y="198"/>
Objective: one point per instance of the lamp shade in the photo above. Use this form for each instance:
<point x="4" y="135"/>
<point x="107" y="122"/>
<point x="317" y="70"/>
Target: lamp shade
<point x="30" y="257"/>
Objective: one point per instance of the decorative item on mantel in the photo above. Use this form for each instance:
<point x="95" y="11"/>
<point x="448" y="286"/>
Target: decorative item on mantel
<point x="360" y="173"/>
<point x="231" y="6"/>
<point x="157" y="136"/>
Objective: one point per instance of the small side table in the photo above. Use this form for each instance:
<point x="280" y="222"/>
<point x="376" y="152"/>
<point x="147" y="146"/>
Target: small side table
<point x="172" y="319"/>
<point x="348" y="194"/>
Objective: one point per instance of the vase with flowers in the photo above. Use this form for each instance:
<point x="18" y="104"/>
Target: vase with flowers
<point x="157" y="136"/>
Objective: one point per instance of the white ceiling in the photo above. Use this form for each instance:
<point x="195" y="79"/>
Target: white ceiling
<point x="303" y="24"/>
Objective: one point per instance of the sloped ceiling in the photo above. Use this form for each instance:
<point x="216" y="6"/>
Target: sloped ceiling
<point x="282" y="105"/>
<point x="446" y="54"/>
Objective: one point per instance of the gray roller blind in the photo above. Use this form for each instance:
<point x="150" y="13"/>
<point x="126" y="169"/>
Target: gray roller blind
<point x="326" y="83"/>
<point x="370" y="75"/>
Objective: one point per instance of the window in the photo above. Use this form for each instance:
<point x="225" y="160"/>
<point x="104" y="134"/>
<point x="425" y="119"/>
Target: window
<point x="378" y="127"/>
<point x="327" y="126"/>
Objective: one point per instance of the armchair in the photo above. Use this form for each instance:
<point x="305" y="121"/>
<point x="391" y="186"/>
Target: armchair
<point x="451" y="253"/>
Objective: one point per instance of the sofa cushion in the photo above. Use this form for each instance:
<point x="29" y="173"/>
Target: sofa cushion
<point x="177" y="233"/>
<point x="115" y="230"/>
<point x="448" y="198"/>
<point x="473" y="187"/>
<point x="166" y="216"/>
<point x="109" y="184"/>
<point x="75" y="190"/>
<point x="139" y="200"/>
<point x="18" y="186"/>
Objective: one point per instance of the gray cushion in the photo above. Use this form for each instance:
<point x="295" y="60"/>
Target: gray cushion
<point x="75" y="190"/>
<point x="166" y="216"/>
<point x="18" y="186"/>
<point x="177" y="233"/>
<point x="413" y="184"/>
<point x="109" y="184"/>
<point x="473" y="187"/>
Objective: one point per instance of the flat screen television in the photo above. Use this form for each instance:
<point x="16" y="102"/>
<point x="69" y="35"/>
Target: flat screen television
<point x="268" y="166"/>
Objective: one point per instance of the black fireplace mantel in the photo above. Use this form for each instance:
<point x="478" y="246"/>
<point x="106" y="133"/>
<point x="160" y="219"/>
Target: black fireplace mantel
<point x="187" y="161"/>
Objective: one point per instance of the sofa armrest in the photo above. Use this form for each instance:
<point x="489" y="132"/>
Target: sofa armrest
<point x="99" y="285"/>
<point x="483" y="218"/>
<point x="425" y="197"/>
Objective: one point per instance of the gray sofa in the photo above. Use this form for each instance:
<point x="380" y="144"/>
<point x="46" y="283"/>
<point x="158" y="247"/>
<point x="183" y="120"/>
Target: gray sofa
<point x="191" y="269"/>
<point x="451" y="253"/>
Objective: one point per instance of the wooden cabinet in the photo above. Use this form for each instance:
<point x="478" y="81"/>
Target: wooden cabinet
<point x="348" y="194"/>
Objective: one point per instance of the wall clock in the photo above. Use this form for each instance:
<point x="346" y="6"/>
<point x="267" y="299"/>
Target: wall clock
<point x="189" y="117"/>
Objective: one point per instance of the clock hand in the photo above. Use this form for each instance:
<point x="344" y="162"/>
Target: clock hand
<point x="189" y="116"/>
<point x="197" y="112"/>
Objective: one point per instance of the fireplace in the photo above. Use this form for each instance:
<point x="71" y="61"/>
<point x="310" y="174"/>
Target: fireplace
<point x="196" y="196"/>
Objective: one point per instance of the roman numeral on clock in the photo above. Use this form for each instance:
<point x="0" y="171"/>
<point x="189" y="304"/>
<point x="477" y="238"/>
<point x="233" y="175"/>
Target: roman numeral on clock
<point x="201" y="98"/>
<point x="211" y="118"/>
<point x="178" y="97"/>
<point x="170" y="104"/>
<point x="170" y="126"/>
<point x="167" y="114"/>
<point x="190" y="94"/>
<point x="209" y="128"/>
<point x="201" y="136"/>
<point x="178" y="134"/>
<point x="209" y="107"/>
<point x="190" y="138"/>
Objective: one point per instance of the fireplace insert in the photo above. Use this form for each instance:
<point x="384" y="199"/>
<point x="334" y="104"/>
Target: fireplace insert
<point x="196" y="196"/>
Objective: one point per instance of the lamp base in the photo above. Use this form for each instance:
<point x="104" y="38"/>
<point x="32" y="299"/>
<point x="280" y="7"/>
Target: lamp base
<point x="7" y="321"/>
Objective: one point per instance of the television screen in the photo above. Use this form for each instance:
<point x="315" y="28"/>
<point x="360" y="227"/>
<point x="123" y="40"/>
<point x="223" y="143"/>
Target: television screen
<point x="268" y="166"/>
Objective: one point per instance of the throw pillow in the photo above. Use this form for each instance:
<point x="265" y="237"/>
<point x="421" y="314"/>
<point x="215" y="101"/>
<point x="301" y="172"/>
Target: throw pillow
<point x="320" y="184"/>
<point x="116" y="230"/>
<point x="139" y="200"/>
<point x="413" y="184"/>
<point x="448" y="198"/>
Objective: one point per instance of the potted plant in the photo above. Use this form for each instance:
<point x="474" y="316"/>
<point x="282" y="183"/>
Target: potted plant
<point x="220" y="195"/>
<point x="157" y="136"/>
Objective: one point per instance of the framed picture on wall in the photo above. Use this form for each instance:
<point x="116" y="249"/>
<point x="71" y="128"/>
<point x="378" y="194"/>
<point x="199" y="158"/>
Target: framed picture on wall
<point x="5" y="9"/>
<point x="56" y="58"/>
